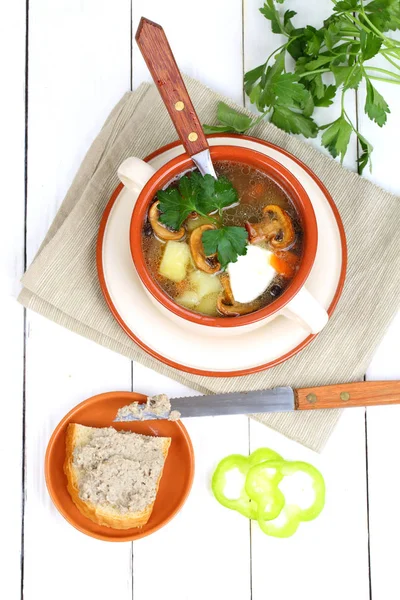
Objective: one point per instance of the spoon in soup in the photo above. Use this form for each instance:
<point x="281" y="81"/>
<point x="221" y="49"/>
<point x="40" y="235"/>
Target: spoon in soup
<point x="161" y="63"/>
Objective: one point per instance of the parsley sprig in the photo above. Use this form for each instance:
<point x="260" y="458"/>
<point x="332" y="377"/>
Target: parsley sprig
<point x="348" y="39"/>
<point x="207" y="197"/>
<point x="229" y="243"/>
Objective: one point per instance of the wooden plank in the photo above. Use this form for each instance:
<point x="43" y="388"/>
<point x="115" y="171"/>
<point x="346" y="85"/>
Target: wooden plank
<point x="205" y="40"/>
<point x="383" y="423"/>
<point x="78" y="70"/>
<point x="62" y="370"/>
<point x="205" y="547"/>
<point x="79" y="57"/>
<point x="384" y="164"/>
<point x="12" y="126"/>
<point x="311" y="554"/>
<point x="307" y="565"/>
<point x="382" y="428"/>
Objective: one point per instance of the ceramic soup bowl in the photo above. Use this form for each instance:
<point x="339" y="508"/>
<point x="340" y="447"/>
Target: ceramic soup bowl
<point x="295" y="302"/>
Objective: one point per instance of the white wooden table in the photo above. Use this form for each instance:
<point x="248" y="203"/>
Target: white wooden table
<point x="64" y="66"/>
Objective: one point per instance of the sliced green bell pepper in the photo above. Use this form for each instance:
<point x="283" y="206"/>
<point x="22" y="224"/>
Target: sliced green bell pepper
<point x="243" y="503"/>
<point x="262" y="481"/>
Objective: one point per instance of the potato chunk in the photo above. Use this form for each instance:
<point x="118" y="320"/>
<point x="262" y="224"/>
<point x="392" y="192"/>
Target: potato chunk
<point x="188" y="299"/>
<point x="175" y="261"/>
<point x="208" y="305"/>
<point x="204" y="283"/>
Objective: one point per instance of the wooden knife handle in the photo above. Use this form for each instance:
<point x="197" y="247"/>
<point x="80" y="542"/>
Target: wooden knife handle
<point x="161" y="63"/>
<point x="360" y="393"/>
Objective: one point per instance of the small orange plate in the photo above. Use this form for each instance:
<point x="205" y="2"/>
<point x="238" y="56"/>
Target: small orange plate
<point x="175" y="484"/>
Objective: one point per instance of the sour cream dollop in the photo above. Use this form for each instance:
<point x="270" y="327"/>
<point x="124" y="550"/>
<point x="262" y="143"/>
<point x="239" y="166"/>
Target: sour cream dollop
<point x="251" y="274"/>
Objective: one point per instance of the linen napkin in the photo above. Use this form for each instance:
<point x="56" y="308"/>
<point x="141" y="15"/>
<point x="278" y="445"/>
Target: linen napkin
<point x="62" y="283"/>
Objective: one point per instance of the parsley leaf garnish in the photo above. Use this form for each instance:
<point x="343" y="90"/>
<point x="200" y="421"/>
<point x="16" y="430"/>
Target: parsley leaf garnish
<point x="350" y="37"/>
<point x="293" y="122"/>
<point x="194" y="193"/>
<point x="174" y="209"/>
<point x="228" y="242"/>
<point x="271" y="13"/>
<point x="216" y="194"/>
<point x="336" y="137"/>
<point x="375" y="105"/>
<point x="365" y="156"/>
<point x="370" y="45"/>
<point x="344" y="5"/>
<point x="288" y="91"/>
<point x="208" y="197"/>
<point x="176" y="204"/>
<point x="349" y="76"/>
<point x="231" y="119"/>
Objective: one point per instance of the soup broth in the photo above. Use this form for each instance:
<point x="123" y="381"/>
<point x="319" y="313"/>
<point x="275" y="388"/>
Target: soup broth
<point x="172" y="266"/>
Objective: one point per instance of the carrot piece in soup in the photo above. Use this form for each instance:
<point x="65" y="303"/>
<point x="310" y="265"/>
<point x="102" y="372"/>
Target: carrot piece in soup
<point x="290" y="257"/>
<point x="285" y="263"/>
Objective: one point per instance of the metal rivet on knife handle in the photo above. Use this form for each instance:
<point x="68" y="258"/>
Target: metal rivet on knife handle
<point x="192" y="137"/>
<point x="311" y="398"/>
<point x="179" y="105"/>
<point x="345" y="396"/>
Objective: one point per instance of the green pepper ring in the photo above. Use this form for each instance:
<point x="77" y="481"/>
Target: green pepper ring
<point x="257" y="478"/>
<point x="243" y="503"/>
<point x="265" y="492"/>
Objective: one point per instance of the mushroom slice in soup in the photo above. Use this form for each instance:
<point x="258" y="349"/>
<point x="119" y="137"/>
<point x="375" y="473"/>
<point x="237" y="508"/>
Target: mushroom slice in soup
<point x="162" y="232"/>
<point x="237" y="308"/>
<point x="227" y="305"/>
<point x="208" y="264"/>
<point x="276" y="228"/>
<point x="227" y="293"/>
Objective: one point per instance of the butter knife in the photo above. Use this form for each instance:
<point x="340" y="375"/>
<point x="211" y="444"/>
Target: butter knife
<point x="161" y="63"/>
<point x="279" y="399"/>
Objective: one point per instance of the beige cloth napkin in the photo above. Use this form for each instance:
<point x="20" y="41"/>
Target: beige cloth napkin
<point x="62" y="281"/>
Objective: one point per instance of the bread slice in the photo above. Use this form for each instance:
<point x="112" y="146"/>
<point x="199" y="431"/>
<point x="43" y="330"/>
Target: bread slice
<point x="105" y="512"/>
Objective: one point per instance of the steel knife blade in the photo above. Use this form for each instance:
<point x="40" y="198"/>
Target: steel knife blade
<point x="279" y="399"/>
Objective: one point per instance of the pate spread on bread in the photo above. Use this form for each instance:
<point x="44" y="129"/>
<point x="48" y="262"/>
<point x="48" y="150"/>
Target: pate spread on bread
<point x="113" y="476"/>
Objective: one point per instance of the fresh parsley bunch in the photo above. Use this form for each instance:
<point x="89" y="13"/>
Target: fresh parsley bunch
<point x="349" y="38"/>
<point x="207" y="197"/>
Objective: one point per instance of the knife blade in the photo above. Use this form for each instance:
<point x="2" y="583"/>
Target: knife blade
<point x="204" y="163"/>
<point x="279" y="399"/>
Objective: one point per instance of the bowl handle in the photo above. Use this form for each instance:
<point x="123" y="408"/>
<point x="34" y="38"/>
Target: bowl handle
<point x="134" y="173"/>
<point x="305" y="309"/>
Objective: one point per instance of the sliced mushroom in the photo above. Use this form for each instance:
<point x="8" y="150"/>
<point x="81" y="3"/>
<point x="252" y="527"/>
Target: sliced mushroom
<point x="227" y="294"/>
<point x="226" y="303"/>
<point x="160" y="230"/>
<point x="275" y="227"/>
<point x="208" y="264"/>
<point x="237" y="308"/>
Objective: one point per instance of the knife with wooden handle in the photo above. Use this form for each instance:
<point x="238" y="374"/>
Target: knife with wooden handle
<point x="157" y="53"/>
<point x="280" y="399"/>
